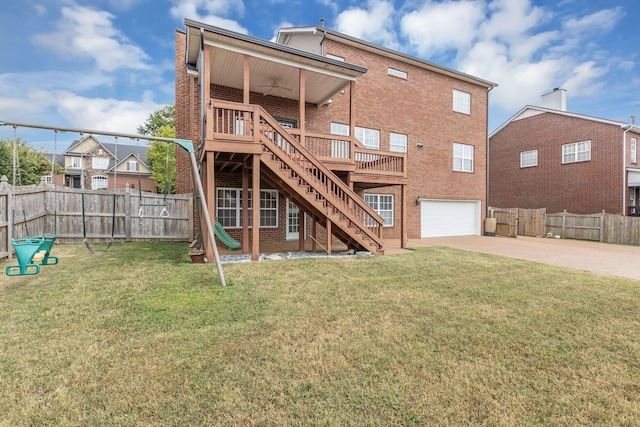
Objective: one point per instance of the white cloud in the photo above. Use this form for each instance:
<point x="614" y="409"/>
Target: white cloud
<point x="439" y="27"/>
<point x="84" y="32"/>
<point x="105" y="113"/>
<point x="212" y="12"/>
<point x="584" y="79"/>
<point x="603" y="20"/>
<point x="374" y="24"/>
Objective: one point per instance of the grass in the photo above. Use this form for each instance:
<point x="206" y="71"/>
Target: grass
<point x="140" y="336"/>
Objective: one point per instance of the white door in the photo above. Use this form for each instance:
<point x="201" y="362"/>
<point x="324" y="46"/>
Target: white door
<point x="293" y="221"/>
<point x="441" y="218"/>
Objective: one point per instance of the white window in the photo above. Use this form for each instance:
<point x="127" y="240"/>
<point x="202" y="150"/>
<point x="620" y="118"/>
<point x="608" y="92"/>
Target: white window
<point x="340" y="147"/>
<point x="397" y="73"/>
<point x="528" y="158"/>
<point x="576" y="152"/>
<point x="462" y="157"/>
<point x="336" y="57"/>
<point x="339" y="129"/>
<point x="132" y="165"/>
<point x="99" y="163"/>
<point x="99" y="182"/>
<point x="461" y="102"/>
<point x="383" y="205"/>
<point x="634" y="150"/>
<point x="47" y="179"/>
<point x="229" y="208"/>
<point x="398" y="142"/>
<point x="76" y="162"/>
<point x="370" y="138"/>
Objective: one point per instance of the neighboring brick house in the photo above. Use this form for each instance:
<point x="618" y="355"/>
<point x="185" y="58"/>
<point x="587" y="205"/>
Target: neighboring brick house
<point x="91" y="164"/>
<point x="546" y="157"/>
<point x="404" y="135"/>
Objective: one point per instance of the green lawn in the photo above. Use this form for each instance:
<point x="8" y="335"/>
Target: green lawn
<point x="140" y="336"/>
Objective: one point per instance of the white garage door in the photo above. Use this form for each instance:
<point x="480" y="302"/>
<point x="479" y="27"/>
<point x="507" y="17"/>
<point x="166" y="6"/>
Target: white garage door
<point x="450" y="218"/>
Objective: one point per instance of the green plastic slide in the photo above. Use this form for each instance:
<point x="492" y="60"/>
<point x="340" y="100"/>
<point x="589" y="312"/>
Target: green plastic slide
<point x="227" y="240"/>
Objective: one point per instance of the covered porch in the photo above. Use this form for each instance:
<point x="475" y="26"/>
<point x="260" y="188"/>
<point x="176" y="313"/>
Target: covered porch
<point x="256" y="100"/>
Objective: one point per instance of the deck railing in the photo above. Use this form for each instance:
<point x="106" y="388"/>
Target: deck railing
<point x="235" y="121"/>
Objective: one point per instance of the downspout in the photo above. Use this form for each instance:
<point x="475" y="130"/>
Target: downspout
<point x="624" y="169"/>
<point x="486" y="208"/>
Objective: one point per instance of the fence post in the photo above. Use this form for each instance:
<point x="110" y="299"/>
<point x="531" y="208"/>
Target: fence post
<point x="5" y="187"/>
<point x="127" y="213"/>
<point x="602" y="227"/>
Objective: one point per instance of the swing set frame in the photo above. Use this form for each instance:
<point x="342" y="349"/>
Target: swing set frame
<point x="187" y="145"/>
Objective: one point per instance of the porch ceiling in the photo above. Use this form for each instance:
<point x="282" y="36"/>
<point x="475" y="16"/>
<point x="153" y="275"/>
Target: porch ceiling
<point x="227" y="69"/>
<point x="269" y="62"/>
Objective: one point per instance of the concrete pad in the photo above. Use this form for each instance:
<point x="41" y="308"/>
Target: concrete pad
<point x="602" y="258"/>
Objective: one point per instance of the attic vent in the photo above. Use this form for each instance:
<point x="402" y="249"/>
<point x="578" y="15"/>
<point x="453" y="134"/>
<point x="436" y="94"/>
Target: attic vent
<point x="100" y="151"/>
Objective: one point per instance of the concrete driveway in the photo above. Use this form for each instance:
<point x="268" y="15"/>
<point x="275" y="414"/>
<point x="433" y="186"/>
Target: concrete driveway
<point x="602" y="258"/>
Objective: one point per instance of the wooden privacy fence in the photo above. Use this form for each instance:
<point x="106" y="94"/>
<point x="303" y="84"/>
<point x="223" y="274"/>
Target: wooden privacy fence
<point x="506" y="221"/>
<point x="69" y="213"/>
<point x="599" y="227"/>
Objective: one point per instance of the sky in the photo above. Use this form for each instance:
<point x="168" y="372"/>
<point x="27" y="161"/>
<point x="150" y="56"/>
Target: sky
<point x="108" y="64"/>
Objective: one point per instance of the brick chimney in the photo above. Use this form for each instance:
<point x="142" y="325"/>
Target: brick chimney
<point x="555" y="100"/>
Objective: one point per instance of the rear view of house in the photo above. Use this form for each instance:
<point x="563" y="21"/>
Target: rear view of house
<point x="333" y="137"/>
<point x="547" y="157"/>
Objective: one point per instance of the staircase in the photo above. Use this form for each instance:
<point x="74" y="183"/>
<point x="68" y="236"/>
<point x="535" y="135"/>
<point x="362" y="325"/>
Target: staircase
<point x="305" y="180"/>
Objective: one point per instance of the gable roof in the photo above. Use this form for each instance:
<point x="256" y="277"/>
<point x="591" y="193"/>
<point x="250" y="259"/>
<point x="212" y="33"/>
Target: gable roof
<point x="117" y="152"/>
<point x="531" y="110"/>
<point x="285" y="34"/>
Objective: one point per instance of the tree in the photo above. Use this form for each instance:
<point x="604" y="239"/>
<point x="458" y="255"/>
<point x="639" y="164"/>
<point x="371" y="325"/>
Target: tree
<point x="165" y="116"/>
<point x="161" y="156"/>
<point x="32" y="164"/>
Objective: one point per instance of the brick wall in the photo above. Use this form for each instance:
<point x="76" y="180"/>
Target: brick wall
<point x="420" y="106"/>
<point x="581" y="187"/>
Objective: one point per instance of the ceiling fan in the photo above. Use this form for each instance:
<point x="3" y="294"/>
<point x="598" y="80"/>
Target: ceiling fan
<point x="275" y="89"/>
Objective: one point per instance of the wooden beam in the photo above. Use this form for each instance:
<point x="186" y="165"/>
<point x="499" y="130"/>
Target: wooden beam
<point x="210" y="194"/>
<point x="301" y="103"/>
<point x="328" y="236"/>
<point x="255" y="185"/>
<point x="245" y="89"/>
<point x="206" y="92"/>
<point x="352" y="110"/>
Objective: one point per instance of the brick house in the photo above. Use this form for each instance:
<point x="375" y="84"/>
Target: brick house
<point x="547" y="157"/>
<point x="345" y="139"/>
<point x="96" y="165"/>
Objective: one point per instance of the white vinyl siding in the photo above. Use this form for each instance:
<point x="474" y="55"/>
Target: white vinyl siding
<point x="229" y="208"/>
<point x="463" y="157"/>
<point x="398" y="142"/>
<point x="576" y="152"/>
<point x="461" y="102"/>
<point x="99" y="182"/>
<point x="370" y="138"/>
<point x="383" y="205"/>
<point x="528" y="158"/>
